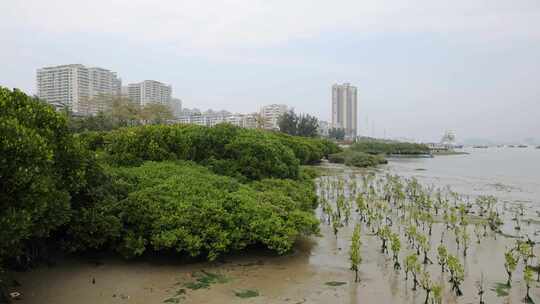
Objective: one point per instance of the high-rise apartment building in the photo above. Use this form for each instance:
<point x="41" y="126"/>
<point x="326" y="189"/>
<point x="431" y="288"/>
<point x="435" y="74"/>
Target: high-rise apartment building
<point x="76" y="86"/>
<point x="345" y="109"/>
<point x="270" y="115"/>
<point x="150" y="91"/>
<point x="176" y="107"/>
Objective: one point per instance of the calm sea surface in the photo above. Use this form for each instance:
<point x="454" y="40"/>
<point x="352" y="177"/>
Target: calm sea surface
<point x="512" y="174"/>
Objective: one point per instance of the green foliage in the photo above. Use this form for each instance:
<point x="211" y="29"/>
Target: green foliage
<point x="227" y="150"/>
<point x="41" y="169"/>
<point x="247" y="293"/>
<point x="185" y="207"/>
<point x="501" y="289"/>
<point x="204" y="279"/>
<point x="300" y="125"/>
<point x="354" y="252"/>
<point x="350" y="157"/>
<point x="336" y="133"/>
<point x="388" y="148"/>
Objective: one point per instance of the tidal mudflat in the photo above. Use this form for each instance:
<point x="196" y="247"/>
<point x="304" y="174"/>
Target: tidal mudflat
<point x="318" y="270"/>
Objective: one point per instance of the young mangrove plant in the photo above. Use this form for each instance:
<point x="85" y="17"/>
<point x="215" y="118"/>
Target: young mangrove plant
<point x="384" y="234"/>
<point x="395" y="244"/>
<point x="528" y="278"/>
<point x="480" y="286"/>
<point x="437" y="294"/>
<point x="510" y="264"/>
<point x="412" y="266"/>
<point x="426" y="284"/>
<point x="465" y="239"/>
<point x="355" y="256"/>
<point x="442" y="256"/>
<point x="457" y="274"/>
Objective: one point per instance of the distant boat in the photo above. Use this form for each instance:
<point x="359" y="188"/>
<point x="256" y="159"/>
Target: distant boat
<point x="480" y="147"/>
<point x="511" y="146"/>
<point x="523" y="146"/>
<point x="538" y="147"/>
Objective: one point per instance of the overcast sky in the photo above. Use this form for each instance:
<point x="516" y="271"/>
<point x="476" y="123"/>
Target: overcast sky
<point x="421" y="67"/>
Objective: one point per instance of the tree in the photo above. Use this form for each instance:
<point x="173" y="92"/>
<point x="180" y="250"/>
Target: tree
<point x="41" y="169"/>
<point x="156" y="113"/>
<point x="336" y="133"/>
<point x="300" y="125"/>
<point x="124" y="112"/>
<point x="355" y="256"/>
<point x="288" y="123"/>
<point x="308" y="126"/>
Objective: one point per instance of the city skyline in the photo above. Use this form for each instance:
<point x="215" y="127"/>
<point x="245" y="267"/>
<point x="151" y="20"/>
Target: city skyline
<point x="422" y="67"/>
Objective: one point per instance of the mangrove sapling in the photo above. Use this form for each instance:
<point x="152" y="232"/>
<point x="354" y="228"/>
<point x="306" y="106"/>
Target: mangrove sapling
<point x="477" y="232"/>
<point x="528" y="278"/>
<point x="465" y="240"/>
<point x="395" y="244"/>
<point x="480" y="285"/>
<point x="336" y="223"/>
<point x="510" y="264"/>
<point x="525" y="251"/>
<point x="442" y="256"/>
<point x="347" y="212"/>
<point x="384" y="234"/>
<point x="340" y="203"/>
<point x="412" y="266"/>
<point x="457" y="274"/>
<point x="355" y="256"/>
<point x="437" y="294"/>
<point x="361" y="205"/>
<point x="424" y="244"/>
<point x="457" y="234"/>
<point x="426" y="284"/>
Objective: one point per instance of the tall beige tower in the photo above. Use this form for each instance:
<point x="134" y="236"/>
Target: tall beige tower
<point x="345" y="109"/>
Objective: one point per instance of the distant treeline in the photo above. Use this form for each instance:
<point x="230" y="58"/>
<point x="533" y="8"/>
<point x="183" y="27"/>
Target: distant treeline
<point x="372" y="152"/>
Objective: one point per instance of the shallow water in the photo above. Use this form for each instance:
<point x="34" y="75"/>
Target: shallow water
<point x="512" y="175"/>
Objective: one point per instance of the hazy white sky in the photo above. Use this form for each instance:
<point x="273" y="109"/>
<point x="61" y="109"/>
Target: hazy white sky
<point x="421" y="66"/>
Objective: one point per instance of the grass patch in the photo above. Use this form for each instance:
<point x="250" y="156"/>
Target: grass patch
<point x="335" y="283"/>
<point x="501" y="289"/>
<point x="247" y="293"/>
<point x="205" y="279"/>
<point x="172" y="300"/>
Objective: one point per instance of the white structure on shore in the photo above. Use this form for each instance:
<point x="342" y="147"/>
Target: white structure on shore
<point x="75" y="85"/>
<point x="150" y="91"/>
<point x="345" y="109"/>
<point x="211" y="118"/>
<point x="324" y="128"/>
<point x="270" y="115"/>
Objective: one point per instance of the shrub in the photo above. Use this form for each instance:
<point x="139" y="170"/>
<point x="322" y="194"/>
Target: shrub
<point x="185" y="207"/>
<point x="356" y="159"/>
<point x="382" y="147"/>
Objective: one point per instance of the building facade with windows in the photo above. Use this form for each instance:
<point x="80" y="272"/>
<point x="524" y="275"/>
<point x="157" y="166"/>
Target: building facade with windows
<point x="77" y="87"/>
<point x="150" y="91"/>
<point x="270" y="115"/>
<point x="345" y="109"/>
